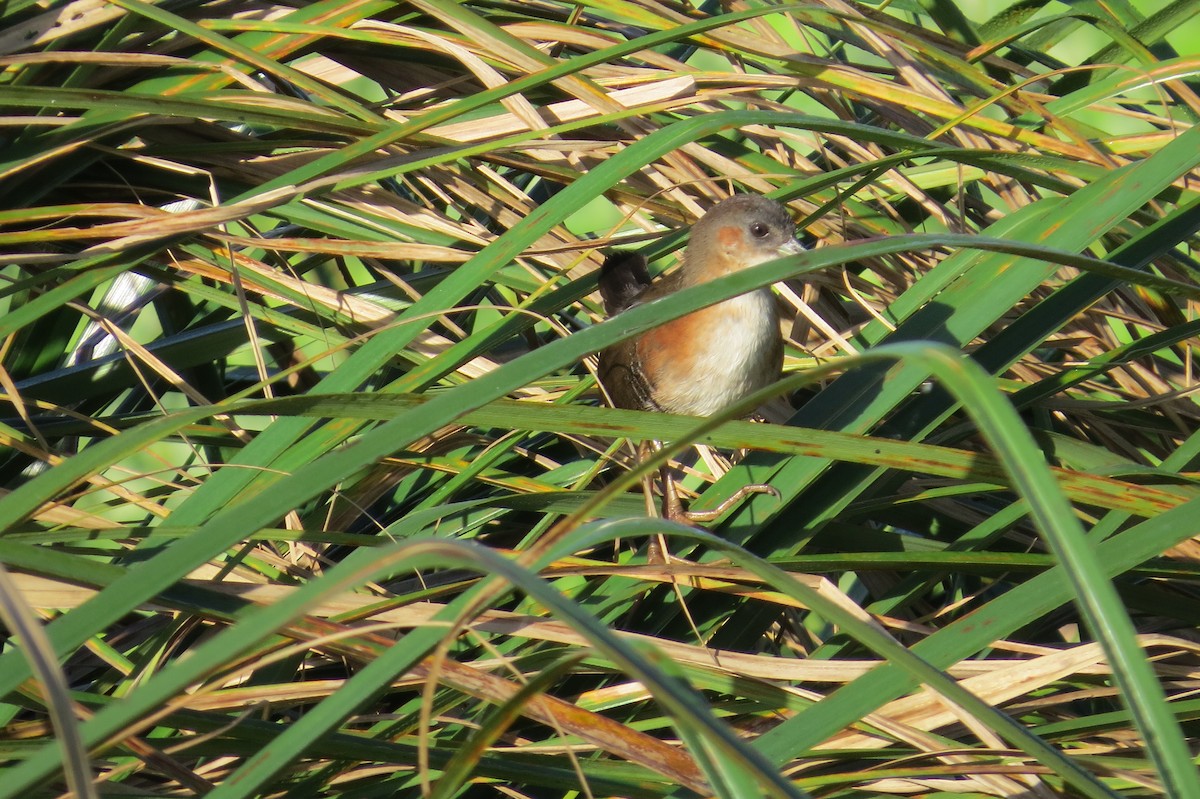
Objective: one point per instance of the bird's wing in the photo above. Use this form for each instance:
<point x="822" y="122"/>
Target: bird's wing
<point x="623" y="279"/>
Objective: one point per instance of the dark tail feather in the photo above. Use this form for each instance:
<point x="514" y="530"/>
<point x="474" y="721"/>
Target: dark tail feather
<point x="623" y="278"/>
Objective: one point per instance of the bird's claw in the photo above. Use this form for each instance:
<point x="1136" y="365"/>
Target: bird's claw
<point x="737" y="496"/>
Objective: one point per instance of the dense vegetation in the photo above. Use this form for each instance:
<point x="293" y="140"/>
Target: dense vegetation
<point x="309" y="490"/>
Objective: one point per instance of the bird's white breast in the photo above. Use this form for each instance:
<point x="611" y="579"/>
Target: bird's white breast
<point x="727" y="363"/>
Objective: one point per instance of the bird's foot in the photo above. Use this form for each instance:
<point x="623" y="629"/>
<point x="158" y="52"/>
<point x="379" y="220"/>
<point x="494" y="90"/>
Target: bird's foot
<point x="673" y="507"/>
<point x="656" y="552"/>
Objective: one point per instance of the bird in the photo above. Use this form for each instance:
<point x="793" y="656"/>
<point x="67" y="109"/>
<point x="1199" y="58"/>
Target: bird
<point x="703" y="362"/>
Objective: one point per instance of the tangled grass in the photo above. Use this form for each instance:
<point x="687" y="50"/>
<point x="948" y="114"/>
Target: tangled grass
<point x="310" y="490"/>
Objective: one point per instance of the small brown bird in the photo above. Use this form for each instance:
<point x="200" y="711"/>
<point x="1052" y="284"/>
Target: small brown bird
<point x="703" y="362"/>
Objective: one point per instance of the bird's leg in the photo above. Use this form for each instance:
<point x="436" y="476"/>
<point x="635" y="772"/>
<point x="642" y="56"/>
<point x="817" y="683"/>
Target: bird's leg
<point x="657" y="547"/>
<point x="640" y="454"/>
<point x="672" y="505"/>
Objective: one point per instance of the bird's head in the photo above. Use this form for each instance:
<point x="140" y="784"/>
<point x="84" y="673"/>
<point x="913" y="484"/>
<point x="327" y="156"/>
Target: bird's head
<point x="737" y="233"/>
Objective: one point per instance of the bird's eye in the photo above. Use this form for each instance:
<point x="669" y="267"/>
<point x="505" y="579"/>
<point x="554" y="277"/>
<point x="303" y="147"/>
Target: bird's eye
<point x="758" y="230"/>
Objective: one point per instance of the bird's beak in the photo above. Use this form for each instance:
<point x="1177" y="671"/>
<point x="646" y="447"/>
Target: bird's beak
<point x="790" y="247"/>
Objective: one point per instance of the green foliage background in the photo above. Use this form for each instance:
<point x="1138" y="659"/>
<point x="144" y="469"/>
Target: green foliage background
<point x="309" y="490"/>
